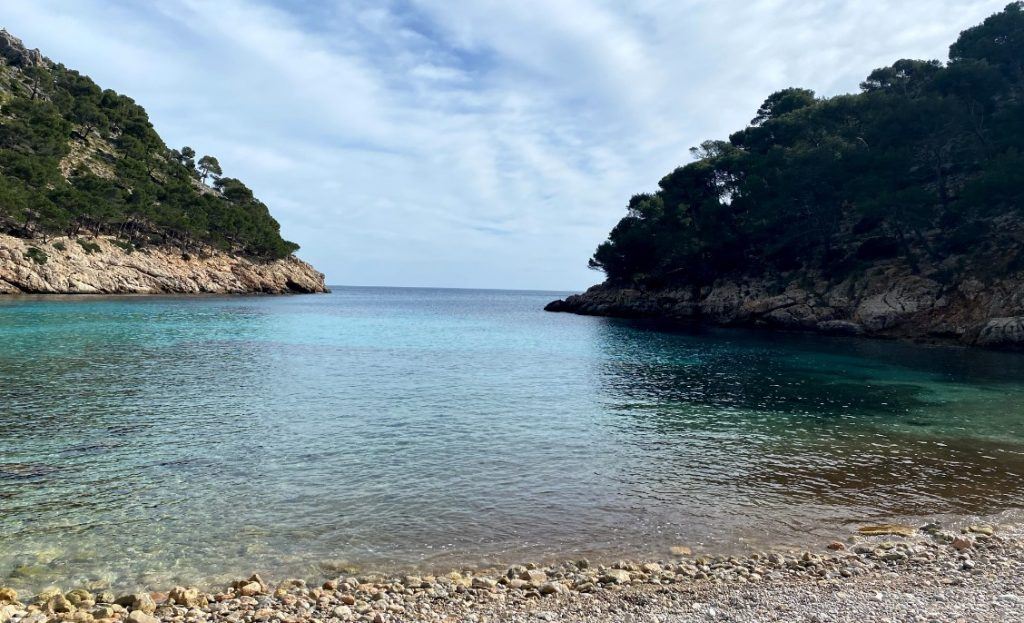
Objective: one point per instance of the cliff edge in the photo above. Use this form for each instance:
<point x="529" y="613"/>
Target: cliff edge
<point x="888" y="302"/>
<point x="104" y="265"/>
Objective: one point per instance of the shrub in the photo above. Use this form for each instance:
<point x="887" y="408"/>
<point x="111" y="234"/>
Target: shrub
<point x="37" y="255"/>
<point x="88" y="247"/>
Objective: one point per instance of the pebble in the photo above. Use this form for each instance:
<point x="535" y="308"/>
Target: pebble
<point x="942" y="577"/>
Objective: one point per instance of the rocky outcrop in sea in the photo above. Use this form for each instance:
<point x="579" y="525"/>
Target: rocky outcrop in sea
<point x="888" y="301"/>
<point x="105" y="265"/>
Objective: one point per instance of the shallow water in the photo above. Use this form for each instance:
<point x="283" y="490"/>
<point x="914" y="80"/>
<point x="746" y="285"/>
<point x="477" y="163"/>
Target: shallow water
<point x="152" y="441"/>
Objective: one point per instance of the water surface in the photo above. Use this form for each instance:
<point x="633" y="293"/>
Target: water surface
<point x="152" y="441"/>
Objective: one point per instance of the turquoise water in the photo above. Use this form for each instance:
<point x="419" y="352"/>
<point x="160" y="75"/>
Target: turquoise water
<point x="152" y="441"/>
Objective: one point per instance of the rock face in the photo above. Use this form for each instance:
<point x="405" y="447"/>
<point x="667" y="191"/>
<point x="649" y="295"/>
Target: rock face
<point x="102" y="266"/>
<point x="888" y="301"/>
<point x="15" y="52"/>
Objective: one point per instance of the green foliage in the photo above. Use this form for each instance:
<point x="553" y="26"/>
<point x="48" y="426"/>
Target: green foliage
<point x="88" y="247"/>
<point x="125" y="181"/>
<point x="925" y="157"/>
<point x="36" y="254"/>
<point x="60" y="246"/>
<point x="125" y="245"/>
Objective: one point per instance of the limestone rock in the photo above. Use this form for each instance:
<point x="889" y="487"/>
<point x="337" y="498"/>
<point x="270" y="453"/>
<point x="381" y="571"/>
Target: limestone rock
<point x="185" y="597"/>
<point x="14" y="51"/>
<point x="615" y="576"/>
<point x="886" y="301"/>
<point x="138" y="616"/>
<point x="70" y="269"/>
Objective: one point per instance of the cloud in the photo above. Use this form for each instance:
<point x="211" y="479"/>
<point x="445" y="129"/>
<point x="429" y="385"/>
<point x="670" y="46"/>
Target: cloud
<point x="485" y="144"/>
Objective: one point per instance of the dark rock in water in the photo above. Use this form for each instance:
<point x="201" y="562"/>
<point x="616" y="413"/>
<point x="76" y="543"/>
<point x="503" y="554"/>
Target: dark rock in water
<point x="893" y="303"/>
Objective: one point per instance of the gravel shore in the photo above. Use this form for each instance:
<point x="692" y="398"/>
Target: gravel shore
<point x="890" y="573"/>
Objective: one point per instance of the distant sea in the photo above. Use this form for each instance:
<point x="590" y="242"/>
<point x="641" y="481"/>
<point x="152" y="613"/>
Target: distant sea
<point x="149" y="441"/>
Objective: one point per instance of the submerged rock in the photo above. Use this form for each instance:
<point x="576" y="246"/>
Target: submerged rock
<point x="887" y="530"/>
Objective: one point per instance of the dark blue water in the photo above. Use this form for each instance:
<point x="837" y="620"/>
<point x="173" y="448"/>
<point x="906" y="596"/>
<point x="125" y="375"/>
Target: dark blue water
<point x="148" y="441"/>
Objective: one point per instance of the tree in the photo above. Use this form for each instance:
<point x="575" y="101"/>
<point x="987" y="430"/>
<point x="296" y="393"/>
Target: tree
<point x="783" y="102"/>
<point x="208" y="165"/>
<point x="998" y="40"/>
<point x="924" y="161"/>
<point x="89" y="115"/>
<point x="907" y="76"/>
<point x="187" y="157"/>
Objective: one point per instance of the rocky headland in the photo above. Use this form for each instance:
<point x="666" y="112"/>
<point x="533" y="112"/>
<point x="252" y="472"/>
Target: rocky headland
<point x="106" y="265"/>
<point x="888" y="301"/>
<point x="92" y="201"/>
<point x="883" y="573"/>
<point x="895" y="211"/>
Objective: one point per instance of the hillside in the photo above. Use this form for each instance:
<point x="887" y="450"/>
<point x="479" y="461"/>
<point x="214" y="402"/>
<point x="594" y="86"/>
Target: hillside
<point x="896" y="211"/>
<point x="82" y="168"/>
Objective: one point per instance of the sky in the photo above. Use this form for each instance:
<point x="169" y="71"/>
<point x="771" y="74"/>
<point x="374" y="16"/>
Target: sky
<point x="468" y="144"/>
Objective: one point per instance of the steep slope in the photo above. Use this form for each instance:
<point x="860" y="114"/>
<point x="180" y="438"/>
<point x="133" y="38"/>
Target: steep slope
<point x="92" y="200"/>
<point x="894" y="212"/>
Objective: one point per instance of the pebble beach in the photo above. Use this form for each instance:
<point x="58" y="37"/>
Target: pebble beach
<point x="884" y="573"/>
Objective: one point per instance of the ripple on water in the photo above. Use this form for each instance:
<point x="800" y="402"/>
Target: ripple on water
<point x="152" y="441"/>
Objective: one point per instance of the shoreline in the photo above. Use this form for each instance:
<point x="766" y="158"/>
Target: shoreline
<point x="105" y="265"/>
<point x="890" y="570"/>
<point x="885" y="306"/>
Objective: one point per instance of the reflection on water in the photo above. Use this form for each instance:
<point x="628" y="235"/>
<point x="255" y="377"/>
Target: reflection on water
<point x="160" y="440"/>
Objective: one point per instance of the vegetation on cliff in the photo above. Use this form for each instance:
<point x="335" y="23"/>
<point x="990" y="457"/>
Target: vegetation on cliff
<point x="75" y="159"/>
<point x="924" y="166"/>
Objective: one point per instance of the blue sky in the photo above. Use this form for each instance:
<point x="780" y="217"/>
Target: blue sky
<point x="467" y="144"/>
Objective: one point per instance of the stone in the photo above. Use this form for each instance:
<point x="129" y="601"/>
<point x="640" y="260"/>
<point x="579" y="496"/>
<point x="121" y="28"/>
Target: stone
<point x="836" y="546"/>
<point x="961" y="543"/>
<point x="982" y="529"/>
<point x="47" y="594"/>
<point x="342" y="612"/>
<point x="105" y="597"/>
<point x="412" y="581"/>
<point x="887" y="529"/>
<point x="80" y="598"/>
<point x="534" y="576"/>
<point x="650" y="568"/>
<point x="484" y="582"/>
<point x="137" y="601"/>
<point x="249" y="589"/>
<point x="615" y="576"/>
<point x="551" y="588"/>
<point x="59" y="603"/>
<point x="15" y="52"/>
<point x="159" y="269"/>
<point x="680" y="551"/>
<point x="8" y="612"/>
<point x="8" y="595"/>
<point x="186" y="597"/>
<point x="139" y="616"/>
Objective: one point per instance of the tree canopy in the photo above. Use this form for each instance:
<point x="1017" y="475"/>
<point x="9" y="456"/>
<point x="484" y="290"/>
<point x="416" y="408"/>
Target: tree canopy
<point x="77" y="159"/>
<point x="924" y="164"/>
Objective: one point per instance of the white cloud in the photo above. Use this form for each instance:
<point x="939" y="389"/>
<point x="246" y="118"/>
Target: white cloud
<point x="487" y="144"/>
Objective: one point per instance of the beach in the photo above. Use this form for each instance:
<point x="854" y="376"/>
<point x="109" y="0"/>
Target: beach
<point x="888" y="573"/>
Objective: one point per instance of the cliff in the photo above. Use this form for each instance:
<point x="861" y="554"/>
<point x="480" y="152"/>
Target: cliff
<point x="93" y="201"/>
<point x="104" y="265"/>
<point x="897" y="211"/>
<point x="888" y="302"/>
